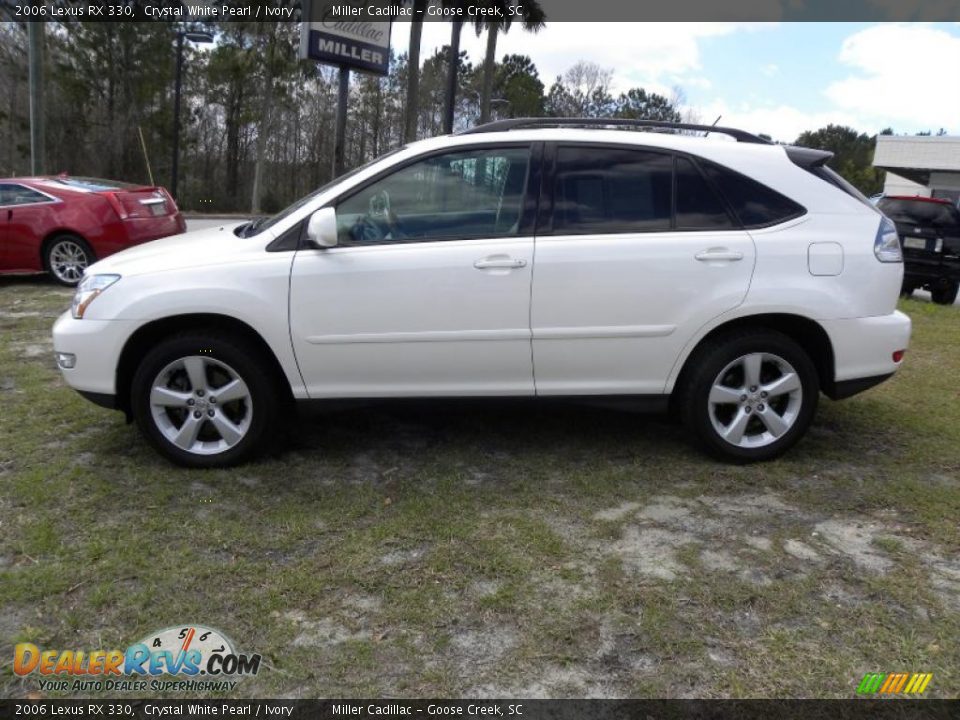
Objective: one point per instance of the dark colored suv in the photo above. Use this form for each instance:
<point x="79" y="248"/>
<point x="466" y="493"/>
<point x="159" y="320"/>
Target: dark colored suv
<point x="929" y="230"/>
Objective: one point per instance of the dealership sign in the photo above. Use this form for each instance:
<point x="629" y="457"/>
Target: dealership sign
<point x="332" y="33"/>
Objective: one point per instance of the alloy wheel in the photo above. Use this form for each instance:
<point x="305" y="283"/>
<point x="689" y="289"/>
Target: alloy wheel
<point x="201" y="405"/>
<point x="68" y="261"/>
<point x="755" y="400"/>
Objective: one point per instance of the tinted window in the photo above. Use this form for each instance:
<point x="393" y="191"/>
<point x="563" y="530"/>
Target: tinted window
<point x="472" y="193"/>
<point x="921" y="212"/>
<point x="698" y="206"/>
<point x="755" y="205"/>
<point x="11" y="194"/>
<point x="611" y="190"/>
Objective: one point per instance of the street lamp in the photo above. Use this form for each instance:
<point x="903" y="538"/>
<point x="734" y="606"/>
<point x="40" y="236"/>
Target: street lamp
<point x="192" y="36"/>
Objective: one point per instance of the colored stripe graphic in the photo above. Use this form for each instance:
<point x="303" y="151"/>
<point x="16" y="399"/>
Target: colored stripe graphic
<point x="870" y="683"/>
<point x="894" y="683"/>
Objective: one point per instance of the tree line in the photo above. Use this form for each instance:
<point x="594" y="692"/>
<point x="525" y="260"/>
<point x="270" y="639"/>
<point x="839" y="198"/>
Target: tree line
<point x="257" y="122"/>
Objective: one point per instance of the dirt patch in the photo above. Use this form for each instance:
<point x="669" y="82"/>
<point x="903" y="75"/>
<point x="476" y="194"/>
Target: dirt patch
<point x="652" y="551"/>
<point x="800" y="550"/>
<point x="402" y="557"/>
<point x="856" y="541"/>
<point x="474" y="649"/>
<point x="617" y="513"/>
<point x="320" y="633"/>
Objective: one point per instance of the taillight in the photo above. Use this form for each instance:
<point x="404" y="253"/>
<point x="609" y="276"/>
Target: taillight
<point x="117" y="205"/>
<point x="898" y="355"/>
<point x="886" y="246"/>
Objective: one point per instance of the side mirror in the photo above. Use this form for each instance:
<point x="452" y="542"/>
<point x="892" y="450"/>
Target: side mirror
<point x="322" y="228"/>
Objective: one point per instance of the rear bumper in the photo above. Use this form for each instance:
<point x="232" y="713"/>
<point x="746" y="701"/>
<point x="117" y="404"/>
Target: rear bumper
<point x="863" y="350"/>
<point x="918" y="270"/>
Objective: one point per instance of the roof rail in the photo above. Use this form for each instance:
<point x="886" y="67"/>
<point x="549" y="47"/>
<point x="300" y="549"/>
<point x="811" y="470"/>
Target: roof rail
<point x="514" y="123"/>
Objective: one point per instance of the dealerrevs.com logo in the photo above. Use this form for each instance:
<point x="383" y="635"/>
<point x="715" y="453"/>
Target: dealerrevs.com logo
<point x="197" y="657"/>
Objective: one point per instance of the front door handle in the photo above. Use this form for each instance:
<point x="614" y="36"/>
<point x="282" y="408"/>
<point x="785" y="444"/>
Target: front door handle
<point x="718" y="254"/>
<point x="501" y="262"/>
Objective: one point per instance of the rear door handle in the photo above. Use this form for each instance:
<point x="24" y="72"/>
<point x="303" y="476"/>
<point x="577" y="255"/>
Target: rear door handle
<point x="718" y="254"/>
<point x="489" y="263"/>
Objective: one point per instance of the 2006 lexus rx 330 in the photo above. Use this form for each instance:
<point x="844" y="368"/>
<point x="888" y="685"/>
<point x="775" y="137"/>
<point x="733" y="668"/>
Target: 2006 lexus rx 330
<point x="727" y="277"/>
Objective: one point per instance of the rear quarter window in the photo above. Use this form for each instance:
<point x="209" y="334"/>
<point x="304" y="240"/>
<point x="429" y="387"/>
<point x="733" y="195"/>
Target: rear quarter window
<point x="754" y="204"/>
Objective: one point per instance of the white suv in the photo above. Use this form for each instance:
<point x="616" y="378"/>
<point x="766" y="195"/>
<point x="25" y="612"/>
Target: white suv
<point x="727" y="277"/>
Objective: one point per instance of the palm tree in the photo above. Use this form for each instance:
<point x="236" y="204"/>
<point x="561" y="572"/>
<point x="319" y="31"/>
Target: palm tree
<point x="533" y="19"/>
<point x="453" y="68"/>
<point x="413" y="72"/>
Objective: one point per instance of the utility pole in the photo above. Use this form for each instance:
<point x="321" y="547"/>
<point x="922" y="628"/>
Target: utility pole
<point x="175" y="163"/>
<point x="38" y="160"/>
<point x="192" y="36"/>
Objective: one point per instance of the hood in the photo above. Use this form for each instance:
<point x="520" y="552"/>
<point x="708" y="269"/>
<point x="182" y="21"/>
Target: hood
<point x="211" y="246"/>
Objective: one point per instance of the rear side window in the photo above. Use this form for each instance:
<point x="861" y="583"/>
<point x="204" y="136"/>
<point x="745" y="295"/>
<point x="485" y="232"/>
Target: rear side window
<point x="11" y="194"/>
<point x="755" y="205"/>
<point x="921" y="212"/>
<point x="611" y="190"/>
<point x="698" y="206"/>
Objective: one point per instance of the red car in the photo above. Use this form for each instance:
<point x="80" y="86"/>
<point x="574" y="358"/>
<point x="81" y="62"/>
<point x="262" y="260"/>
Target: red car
<point x="63" y="224"/>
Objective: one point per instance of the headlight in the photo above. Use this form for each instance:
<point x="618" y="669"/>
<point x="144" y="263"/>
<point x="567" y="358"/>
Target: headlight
<point x="88" y="290"/>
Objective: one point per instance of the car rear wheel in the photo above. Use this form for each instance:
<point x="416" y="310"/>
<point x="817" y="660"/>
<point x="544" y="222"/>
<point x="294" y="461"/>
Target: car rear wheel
<point x="945" y="294"/>
<point x="67" y="257"/>
<point x="205" y="401"/>
<point x="749" y="395"/>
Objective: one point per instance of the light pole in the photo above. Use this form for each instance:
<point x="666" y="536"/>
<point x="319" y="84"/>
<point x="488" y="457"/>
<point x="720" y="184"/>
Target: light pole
<point x="198" y="37"/>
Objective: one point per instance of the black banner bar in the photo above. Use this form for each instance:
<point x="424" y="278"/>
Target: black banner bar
<point x="518" y="709"/>
<point x="472" y="10"/>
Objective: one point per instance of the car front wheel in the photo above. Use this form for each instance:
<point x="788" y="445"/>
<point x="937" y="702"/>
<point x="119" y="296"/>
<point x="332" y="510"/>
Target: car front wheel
<point x="204" y="401"/>
<point x="749" y="395"/>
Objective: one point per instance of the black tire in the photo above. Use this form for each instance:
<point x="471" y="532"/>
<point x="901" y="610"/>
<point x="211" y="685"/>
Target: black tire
<point x="63" y="246"/>
<point x="258" y="413"/>
<point x="907" y="290"/>
<point x="945" y="294"/>
<point x="715" y="357"/>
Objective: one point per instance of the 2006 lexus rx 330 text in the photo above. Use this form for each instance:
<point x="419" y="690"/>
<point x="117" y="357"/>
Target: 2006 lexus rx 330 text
<point x="727" y="277"/>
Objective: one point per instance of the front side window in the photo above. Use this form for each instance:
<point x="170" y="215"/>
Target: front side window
<point x="475" y="193"/>
<point x="601" y="190"/>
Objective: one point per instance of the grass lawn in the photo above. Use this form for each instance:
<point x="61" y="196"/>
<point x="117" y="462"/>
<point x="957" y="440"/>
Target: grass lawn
<point x="498" y="551"/>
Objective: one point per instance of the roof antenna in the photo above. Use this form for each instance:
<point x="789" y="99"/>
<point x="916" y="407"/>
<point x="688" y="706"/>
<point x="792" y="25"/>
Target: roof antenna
<point x="714" y="125"/>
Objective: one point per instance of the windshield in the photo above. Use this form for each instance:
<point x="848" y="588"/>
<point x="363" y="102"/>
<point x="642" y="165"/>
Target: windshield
<point x="263" y="223"/>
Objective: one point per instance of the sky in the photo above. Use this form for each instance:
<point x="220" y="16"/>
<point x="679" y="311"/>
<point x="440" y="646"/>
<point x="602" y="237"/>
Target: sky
<point x="778" y="79"/>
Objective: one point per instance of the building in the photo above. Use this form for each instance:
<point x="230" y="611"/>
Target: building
<point x="920" y="165"/>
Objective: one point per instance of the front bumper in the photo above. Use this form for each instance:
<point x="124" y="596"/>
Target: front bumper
<point x="96" y="346"/>
<point x="863" y="349"/>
